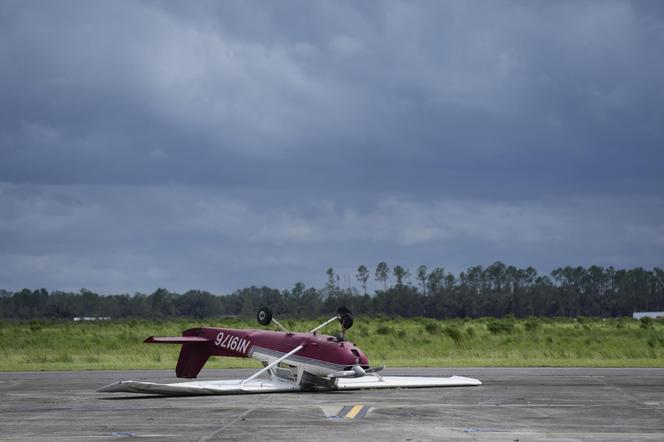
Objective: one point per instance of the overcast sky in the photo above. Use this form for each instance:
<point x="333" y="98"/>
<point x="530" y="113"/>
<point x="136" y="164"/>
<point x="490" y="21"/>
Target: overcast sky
<point x="217" y="145"/>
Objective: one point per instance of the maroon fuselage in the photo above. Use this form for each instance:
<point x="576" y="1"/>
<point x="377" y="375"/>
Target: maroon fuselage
<point x="247" y="343"/>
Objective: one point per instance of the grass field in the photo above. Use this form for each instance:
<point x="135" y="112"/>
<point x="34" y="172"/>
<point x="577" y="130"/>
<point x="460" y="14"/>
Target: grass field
<point x="532" y="342"/>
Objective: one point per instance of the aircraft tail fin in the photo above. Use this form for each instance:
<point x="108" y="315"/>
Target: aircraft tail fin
<point x="193" y="356"/>
<point x="194" y="353"/>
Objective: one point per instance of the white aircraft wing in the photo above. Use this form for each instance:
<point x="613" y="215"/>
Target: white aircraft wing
<point x="235" y="386"/>
<point x="370" y="381"/>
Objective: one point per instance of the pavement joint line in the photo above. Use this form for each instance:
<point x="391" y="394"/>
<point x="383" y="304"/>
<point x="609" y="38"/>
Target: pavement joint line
<point x="241" y="416"/>
<point x="628" y="396"/>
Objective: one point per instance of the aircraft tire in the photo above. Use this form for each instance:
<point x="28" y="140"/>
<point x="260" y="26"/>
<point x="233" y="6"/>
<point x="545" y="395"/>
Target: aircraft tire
<point x="346" y="321"/>
<point x="264" y="316"/>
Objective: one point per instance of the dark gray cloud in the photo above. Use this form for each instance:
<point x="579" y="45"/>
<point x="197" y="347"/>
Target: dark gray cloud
<point x="217" y="144"/>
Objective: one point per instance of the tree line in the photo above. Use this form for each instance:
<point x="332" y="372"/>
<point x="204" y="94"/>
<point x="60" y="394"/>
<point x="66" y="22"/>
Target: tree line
<point x="496" y="290"/>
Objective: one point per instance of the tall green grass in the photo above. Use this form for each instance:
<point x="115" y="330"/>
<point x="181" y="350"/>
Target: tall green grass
<point x="623" y="342"/>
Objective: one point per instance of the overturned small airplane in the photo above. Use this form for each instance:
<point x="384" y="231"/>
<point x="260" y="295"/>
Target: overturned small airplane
<point x="293" y="362"/>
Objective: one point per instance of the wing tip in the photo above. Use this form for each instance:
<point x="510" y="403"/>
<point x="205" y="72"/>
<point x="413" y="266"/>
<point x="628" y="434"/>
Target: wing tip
<point x="110" y="387"/>
<point x="467" y="380"/>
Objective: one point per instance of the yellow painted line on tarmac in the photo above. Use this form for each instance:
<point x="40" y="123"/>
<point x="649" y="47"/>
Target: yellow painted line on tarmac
<point x="350" y="412"/>
<point x="354" y="411"/>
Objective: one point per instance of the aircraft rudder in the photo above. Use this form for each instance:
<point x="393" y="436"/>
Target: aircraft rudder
<point x="193" y="357"/>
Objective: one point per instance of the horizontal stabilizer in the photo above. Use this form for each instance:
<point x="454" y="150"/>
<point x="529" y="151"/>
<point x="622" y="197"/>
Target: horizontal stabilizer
<point x="174" y="339"/>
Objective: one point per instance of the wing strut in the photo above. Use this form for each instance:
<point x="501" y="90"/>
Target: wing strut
<point x="264" y="369"/>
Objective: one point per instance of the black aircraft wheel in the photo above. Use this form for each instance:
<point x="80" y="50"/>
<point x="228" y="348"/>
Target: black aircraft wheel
<point x="264" y="316"/>
<point x="342" y="311"/>
<point x="346" y="321"/>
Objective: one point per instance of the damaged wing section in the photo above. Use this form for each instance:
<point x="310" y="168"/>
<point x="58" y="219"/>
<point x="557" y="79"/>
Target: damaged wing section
<point x="201" y="387"/>
<point x="276" y="386"/>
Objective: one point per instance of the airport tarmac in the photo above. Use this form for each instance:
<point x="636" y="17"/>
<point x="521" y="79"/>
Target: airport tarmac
<point x="513" y="404"/>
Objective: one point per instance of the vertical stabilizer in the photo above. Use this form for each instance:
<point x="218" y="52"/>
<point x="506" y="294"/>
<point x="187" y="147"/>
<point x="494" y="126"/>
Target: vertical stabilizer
<point x="193" y="357"/>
